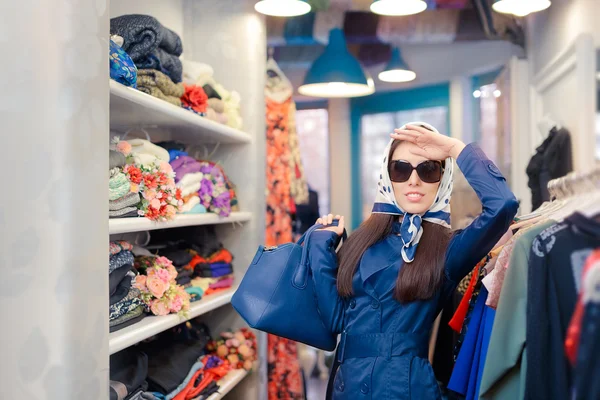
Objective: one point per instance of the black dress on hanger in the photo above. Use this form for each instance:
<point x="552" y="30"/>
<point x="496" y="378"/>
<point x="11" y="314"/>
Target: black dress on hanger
<point x="553" y="159"/>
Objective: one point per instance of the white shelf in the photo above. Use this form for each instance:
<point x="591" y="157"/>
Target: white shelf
<point x="151" y="326"/>
<point x="125" y="225"/>
<point x="228" y="382"/>
<point x="130" y="108"/>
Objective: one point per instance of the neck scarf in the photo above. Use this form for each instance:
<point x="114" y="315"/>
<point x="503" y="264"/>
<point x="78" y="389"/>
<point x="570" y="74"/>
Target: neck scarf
<point x="411" y="229"/>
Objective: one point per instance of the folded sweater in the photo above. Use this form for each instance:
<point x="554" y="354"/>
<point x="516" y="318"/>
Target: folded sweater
<point x="155" y="78"/>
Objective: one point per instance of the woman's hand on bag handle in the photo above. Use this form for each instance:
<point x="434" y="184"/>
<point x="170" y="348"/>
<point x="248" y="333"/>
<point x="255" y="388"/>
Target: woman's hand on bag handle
<point x="327" y="220"/>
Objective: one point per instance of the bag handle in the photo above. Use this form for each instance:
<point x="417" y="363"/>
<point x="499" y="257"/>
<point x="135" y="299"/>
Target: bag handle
<point x="301" y="275"/>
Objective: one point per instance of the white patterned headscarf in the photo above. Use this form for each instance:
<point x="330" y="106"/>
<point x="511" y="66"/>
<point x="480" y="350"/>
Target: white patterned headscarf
<point x="411" y="229"/>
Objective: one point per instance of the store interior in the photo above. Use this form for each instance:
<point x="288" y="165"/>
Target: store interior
<point x="224" y="134"/>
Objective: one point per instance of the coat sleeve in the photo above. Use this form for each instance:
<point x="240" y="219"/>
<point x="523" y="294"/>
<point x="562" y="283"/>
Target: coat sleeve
<point x="470" y="245"/>
<point x="323" y="263"/>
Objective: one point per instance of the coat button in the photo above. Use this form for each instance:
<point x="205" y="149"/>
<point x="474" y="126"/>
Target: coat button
<point x="364" y="388"/>
<point x="352" y="303"/>
<point x="375" y="304"/>
<point x="341" y="387"/>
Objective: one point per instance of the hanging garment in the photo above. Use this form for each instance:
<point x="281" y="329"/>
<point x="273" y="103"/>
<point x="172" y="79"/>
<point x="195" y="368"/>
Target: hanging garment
<point x="555" y="269"/>
<point x="284" y="373"/>
<point x="553" y="159"/>
<point x="384" y="343"/>
<point x="505" y="365"/>
<point x="587" y="368"/>
<point x="298" y="186"/>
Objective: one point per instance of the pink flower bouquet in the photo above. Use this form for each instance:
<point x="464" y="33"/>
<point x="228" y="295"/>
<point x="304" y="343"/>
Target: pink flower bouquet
<point x="159" y="291"/>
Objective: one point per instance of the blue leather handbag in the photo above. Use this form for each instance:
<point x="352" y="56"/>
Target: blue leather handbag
<point x="277" y="294"/>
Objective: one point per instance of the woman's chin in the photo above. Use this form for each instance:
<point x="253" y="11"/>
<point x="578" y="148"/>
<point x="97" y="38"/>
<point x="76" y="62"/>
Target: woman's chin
<point x="414" y="208"/>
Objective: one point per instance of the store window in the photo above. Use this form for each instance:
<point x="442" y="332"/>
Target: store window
<point x="375" y="135"/>
<point x="313" y="134"/>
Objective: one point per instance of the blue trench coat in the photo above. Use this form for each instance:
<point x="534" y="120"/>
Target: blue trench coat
<point x="383" y="346"/>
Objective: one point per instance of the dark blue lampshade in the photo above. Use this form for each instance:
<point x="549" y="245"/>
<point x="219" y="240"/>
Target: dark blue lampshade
<point x="397" y="70"/>
<point x="336" y="73"/>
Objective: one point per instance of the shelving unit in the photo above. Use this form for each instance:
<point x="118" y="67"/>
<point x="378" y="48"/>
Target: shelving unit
<point x="151" y="326"/>
<point x="126" y="225"/>
<point x="131" y="108"/>
<point x="231" y="380"/>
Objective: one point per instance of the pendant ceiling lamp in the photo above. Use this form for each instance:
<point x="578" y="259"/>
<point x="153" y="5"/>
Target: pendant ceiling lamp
<point x="520" y="8"/>
<point x="397" y="70"/>
<point x="282" y="8"/>
<point x="336" y="73"/>
<point x="398" y="7"/>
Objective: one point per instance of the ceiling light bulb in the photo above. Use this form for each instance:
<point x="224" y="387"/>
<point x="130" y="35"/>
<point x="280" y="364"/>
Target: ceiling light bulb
<point x="477" y="94"/>
<point x="397" y="75"/>
<point x="520" y="8"/>
<point x="282" y="8"/>
<point x="497" y="93"/>
<point x="398" y="7"/>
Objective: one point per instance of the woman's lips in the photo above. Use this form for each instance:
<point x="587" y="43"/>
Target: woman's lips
<point x="414" y="197"/>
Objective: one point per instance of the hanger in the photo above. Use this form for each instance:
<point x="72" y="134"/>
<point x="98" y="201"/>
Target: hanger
<point x="138" y="129"/>
<point x="278" y="87"/>
<point x="546" y="124"/>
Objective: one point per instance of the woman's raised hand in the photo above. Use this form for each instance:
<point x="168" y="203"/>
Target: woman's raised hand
<point x="431" y="145"/>
<point x="328" y="220"/>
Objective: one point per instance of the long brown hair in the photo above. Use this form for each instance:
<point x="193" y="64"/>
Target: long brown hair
<point x="418" y="280"/>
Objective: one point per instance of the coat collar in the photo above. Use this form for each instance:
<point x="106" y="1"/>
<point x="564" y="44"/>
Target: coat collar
<point x="378" y="257"/>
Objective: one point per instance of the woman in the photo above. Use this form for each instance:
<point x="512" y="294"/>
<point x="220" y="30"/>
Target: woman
<point x="395" y="272"/>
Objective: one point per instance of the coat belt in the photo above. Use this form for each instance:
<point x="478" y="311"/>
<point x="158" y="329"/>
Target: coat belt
<point x="382" y="345"/>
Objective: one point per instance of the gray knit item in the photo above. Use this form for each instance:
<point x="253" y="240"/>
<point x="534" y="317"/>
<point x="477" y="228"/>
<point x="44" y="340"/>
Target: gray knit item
<point x="143" y="34"/>
<point x="116" y="159"/>
<point x="163" y="61"/>
<point x="122" y="212"/>
<point x="130" y="199"/>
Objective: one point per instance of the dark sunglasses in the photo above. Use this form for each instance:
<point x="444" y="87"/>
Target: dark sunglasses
<point x="429" y="171"/>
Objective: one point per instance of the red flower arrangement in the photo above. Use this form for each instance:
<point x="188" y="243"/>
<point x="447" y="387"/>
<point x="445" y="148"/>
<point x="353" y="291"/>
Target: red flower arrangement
<point x="195" y="98"/>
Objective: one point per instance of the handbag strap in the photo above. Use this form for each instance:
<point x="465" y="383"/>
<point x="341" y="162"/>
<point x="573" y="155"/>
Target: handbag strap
<point x="306" y="239"/>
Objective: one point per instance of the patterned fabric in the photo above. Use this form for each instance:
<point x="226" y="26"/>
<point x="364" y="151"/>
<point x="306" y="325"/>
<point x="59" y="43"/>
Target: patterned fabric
<point x="134" y="313"/>
<point x="438" y="213"/>
<point x="278" y="191"/>
<point x="122" y="68"/>
<point x="298" y="185"/>
<point x="119" y="260"/>
<point x="128" y="304"/>
<point x="285" y="379"/>
<point x="119" y="246"/>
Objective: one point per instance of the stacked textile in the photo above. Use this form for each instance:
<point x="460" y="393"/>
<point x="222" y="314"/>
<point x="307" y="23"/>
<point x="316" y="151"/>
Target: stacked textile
<point x="223" y="106"/>
<point x="213" y="272"/>
<point x="126" y="307"/>
<point x="128" y="372"/>
<point x="149" y="44"/>
<point x="159" y="85"/>
<point x="142" y="181"/>
<point x="122" y="67"/>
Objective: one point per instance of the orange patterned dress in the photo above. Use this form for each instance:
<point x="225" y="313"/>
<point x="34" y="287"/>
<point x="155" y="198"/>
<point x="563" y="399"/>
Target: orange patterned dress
<point x="285" y="378"/>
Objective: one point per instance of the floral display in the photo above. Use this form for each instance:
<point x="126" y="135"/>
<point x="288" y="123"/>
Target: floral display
<point x="238" y="348"/>
<point x="159" y="291"/>
<point x="214" y="193"/>
<point x="160" y="198"/>
<point x="194" y="98"/>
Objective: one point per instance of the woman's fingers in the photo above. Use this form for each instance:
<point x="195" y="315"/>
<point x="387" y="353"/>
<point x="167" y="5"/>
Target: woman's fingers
<point x="407" y="132"/>
<point x="341" y="225"/>
<point x="419" y="129"/>
<point x="403" y="137"/>
<point x="330" y="219"/>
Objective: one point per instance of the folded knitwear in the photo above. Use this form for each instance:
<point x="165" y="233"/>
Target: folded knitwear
<point x="156" y="92"/>
<point x="214" y="273"/>
<point x="129" y="212"/>
<point x="118" y="246"/>
<point x="174" y="153"/>
<point x="118" y="186"/>
<point x="127" y="304"/>
<point x="197" y="366"/>
<point x="186" y="169"/>
<point x="189" y="178"/>
<point x="221" y="118"/>
<point x="116" y="159"/>
<point x="189" y="205"/>
<point x="130" y="199"/>
<point x="223" y="283"/>
<point x="116" y="277"/>
<point x="154" y="78"/>
<point x="143" y="34"/>
<point x="132" y="317"/>
<point x="189" y="189"/>
<point x="217" y="105"/>
<point x="143" y="146"/>
<point x="179" y="257"/>
<point x="196" y="73"/>
<point x="128" y="371"/>
<point x="164" y="62"/>
<point x="197" y="209"/>
<point x="184" y="280"/>
<point x="121" y="291"/>
<point x="120" y="260"/>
